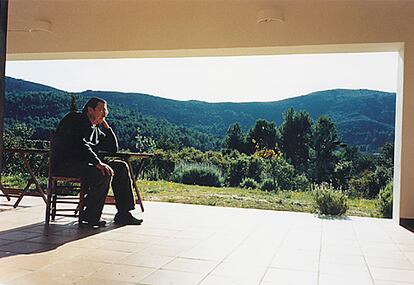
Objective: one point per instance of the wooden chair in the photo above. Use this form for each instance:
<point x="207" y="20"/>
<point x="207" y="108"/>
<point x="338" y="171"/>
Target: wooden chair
<point x="61" y="190"/>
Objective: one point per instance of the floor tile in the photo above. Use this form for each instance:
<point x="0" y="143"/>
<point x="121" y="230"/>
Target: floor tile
<point x="392" y="274"/>
<point x="25" y="247"/>
<point x="188" y="244"/>
<point x="395" y="263"/>
<point x="285" y="276"/>
<point x="103" y="255"/>
<point x="385" y="282"/>
<point x="18" y="235"/>
<point x="124" y="273"/>
<point x="44" y="278"/>
<point x="93" y="281"/>
<point x="328" y="279"/>
<point x="344" y="270"/>
<point x="161" y="277"/>
<point x="297" y="260"/>
<point x="8" y="273"/>
<point x="164" y="250"/>
<point x="75" y="266"/>
<point x="146" y="260"/>
<point x="191" y="265"/>
<point x="344" y="259"/>
<point x="228" y="280"/>
<point x="124" y="246"/>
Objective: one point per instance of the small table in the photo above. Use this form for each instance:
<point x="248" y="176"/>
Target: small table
<point x="127" y="156"/>
<point x="23" y="154"/>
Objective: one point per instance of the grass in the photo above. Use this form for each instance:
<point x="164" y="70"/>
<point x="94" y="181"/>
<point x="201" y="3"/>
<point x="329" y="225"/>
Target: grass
<point x="165" y="191"/>
<point x="243" y="198"/>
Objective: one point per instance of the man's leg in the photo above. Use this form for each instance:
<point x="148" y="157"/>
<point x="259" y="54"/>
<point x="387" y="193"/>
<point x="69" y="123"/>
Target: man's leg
<point x="98" y="186"/>
<point x="121" y="185"/>
<point x="97" y="189"/>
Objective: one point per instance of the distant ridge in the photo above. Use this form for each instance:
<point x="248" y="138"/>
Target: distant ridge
<point x="16" y="85"/>
<point x="365" y="118"/>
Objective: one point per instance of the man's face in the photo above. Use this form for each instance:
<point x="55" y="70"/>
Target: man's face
<point x="97" y="115"/>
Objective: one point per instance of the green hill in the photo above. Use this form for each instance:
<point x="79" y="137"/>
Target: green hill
<point x="364" y="117"/>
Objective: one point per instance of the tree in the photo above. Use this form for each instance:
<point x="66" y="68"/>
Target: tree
<point x="386" y="156"/>
<point x="325" y="142"/>
<point x="280" y="171"/>
<point x="144" y="143"/>
<point x="235" y="138"/>
<point x="73" y="103"/>
<point x="264" y="135"/>
<point x="296" y="132"/>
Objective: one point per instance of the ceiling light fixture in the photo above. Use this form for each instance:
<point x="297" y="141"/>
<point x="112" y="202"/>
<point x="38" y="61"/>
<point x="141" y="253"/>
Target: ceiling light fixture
<point x="270" y="15"/>
<point x="36" y="26"/>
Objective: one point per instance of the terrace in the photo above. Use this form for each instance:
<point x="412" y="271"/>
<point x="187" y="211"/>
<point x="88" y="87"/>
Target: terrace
<point x="184" y="244"/>
<point x="187" y="244"/>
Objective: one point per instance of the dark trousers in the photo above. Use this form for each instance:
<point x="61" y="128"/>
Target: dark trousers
<point x="98" y="186"/>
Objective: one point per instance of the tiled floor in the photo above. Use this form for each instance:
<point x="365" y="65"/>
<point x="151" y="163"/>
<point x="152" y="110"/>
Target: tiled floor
<point x="187" y="244"/>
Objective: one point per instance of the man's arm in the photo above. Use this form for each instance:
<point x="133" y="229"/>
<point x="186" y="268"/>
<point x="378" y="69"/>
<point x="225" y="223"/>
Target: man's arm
<point x="108" y="142"/>
<point x="71" y="140"/>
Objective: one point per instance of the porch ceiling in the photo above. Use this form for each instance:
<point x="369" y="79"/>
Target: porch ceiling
<point x="80" y="28"/>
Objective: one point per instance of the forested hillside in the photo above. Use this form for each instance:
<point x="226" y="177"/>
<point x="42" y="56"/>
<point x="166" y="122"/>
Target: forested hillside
<point x="43" y="107"/>
<point x="289" y="145"/>
<point x="363" y="117"/>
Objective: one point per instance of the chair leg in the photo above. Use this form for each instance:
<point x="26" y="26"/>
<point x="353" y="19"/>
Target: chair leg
<point x="81" y="204"/>
<point x="49" y="202"/>
<point x="54" y="201"/>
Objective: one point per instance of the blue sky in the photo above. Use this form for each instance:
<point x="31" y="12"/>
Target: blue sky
<point x="217" y="79"/>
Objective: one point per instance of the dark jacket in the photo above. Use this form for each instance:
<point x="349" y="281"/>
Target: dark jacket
<point x="78" y="141"/>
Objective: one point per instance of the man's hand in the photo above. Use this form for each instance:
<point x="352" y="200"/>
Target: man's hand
<point x="104" y="124"/>
<point x="105" y="169"/>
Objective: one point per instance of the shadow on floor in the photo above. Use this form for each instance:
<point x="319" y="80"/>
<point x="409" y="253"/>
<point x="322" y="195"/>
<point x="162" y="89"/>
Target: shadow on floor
<point x="329" y="217"/>
<point x="410" y="228"/>
<point x="38" y="237"/>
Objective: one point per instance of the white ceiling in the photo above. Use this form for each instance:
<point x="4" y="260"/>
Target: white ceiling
<point x="105" y="28"/>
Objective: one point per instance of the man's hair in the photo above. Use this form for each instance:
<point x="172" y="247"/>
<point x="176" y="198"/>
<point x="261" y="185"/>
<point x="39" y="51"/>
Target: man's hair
<point x="92" y="103"/>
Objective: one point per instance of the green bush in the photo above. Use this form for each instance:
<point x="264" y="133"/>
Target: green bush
<point x="160" y="166"/>
<point x="301" y="183"/>
<point x="370" y="183"/>
<point x="248" y="183"/>
<point x="329" y="201"/>
<point x="256" y="166"/>
<point x="268" y="185"/>
<point x="384" y="202"/>
<point x="237" y="170"/>
<point x="282" y="173"/>
<point x="198" y="174"/>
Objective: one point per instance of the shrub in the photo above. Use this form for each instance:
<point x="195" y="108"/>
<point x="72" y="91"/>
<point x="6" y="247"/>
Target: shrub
<point x="237" y="170"/>
<point x="248" y="183"/>
<point x="268" y="185"/>
<point x="160" y="166"/>
<point x="342" y="173"/>
<point x="329" y="201"/>
<point x="282" y="173"/>
<point x="256" y="166"/>
<point x="370" y="182"/>
<point x="301" y="183"/>
<point x="384" y="202"/>
<point x="198" y="174"/>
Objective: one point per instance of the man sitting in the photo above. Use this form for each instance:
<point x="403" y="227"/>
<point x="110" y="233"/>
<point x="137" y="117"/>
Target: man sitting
<point x="79" y="139"/>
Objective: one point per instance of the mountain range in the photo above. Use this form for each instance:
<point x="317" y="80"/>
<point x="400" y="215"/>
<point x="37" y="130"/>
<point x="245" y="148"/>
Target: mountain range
<point x="365" y="118"/>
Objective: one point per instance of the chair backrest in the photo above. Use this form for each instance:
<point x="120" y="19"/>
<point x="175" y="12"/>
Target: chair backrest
<point x="58" y="188"/>
<point x="52" y="138"/>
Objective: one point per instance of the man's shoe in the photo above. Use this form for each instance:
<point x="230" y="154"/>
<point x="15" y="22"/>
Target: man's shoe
<point x="126" y="219"/>
<point x="96" y="225"/>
